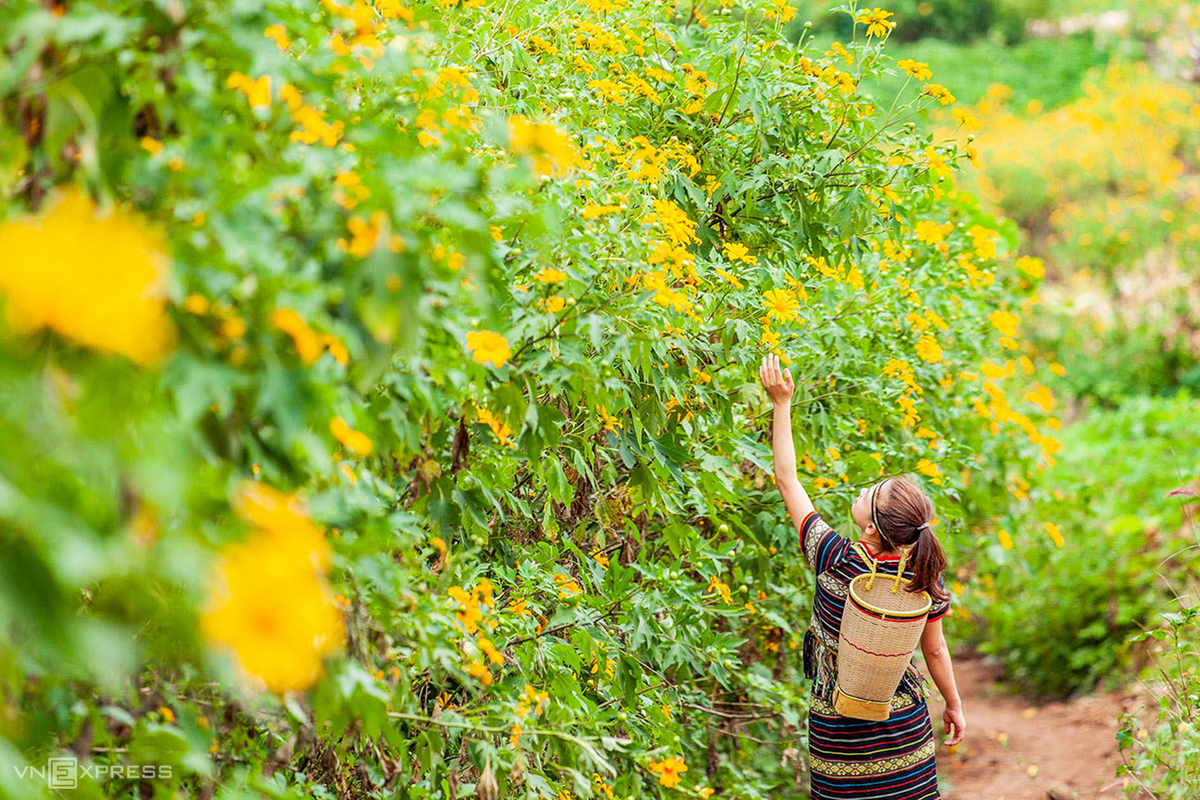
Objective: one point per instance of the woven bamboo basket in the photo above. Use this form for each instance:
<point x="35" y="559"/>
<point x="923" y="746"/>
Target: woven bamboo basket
<point x="881" y="627"/>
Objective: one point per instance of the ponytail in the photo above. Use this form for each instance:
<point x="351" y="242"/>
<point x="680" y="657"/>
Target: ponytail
<point x="928" y="563"/>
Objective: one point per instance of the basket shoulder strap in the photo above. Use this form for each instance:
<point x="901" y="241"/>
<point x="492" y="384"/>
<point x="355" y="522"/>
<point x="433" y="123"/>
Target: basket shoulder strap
<point x="862" y="551"/>
<point x="871" y="562"/>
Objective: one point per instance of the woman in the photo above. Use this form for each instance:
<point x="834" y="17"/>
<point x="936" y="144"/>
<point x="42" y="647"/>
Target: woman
<point x="852" y="758"/>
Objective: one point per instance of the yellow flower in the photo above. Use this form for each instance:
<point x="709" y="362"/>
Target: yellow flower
<point x="591" y="211"/>
<point x="550" y="275"/>
<point x="490" y="651"/>
<point x="98" y="278"/>
<point x="878" y="22"/>
<point x="268" y="601"/>
<point x="501" y="430"/>
<point x="355" y="440"/>
<point x="151" y="146"/>
<point x="1005" y="539"/>
<point x="314" y="127"/>
<point x="196" y="304"/>
<point x="781" y="304"/>
<point x="1031" y="266"/>
<point x="720" y="588"/>
<point x="278" y="34"/>
<point x="928" y="349"/>
<point x="730" y="278"/>
<point x="669" y="771"/>
<point x="537" y="44"/>
<point x="918" y="69"/>
<point x="1055" y="536"/>
<point x="735" y="251"/>
<point x="305" y="340"/>
<point x="488" y="347"/>
<point x="1005" y="321"/>
<point x="781" y="10"/>
<point x="364" y="234"/>
<point x="258" y="92"/>
<point x="480" y="671"/>
<point x="939" y="93"/>
<point x="394" y="9"/>
<point x="927" y="467"/>
<point x="930" y="232"/>
<point x="993" y="371"/>
<point x="969" y="121"/>
<point x="552" y="151"/>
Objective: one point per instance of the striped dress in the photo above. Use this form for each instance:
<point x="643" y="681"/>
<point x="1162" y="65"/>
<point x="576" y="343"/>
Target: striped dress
<point x="852" y="758"/>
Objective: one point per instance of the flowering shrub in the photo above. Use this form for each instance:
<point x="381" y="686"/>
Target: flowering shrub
<point x="1093" y="550"/>
<point x="375" y="413"/>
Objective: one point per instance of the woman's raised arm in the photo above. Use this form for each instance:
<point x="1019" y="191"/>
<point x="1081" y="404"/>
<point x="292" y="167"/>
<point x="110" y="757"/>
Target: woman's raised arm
<point x="779" y="386"/>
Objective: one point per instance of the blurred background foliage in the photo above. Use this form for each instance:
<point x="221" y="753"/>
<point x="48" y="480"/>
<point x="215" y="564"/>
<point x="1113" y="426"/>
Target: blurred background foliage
<point x="379" y="414"/>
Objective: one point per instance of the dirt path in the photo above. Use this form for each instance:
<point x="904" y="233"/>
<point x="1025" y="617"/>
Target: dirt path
<point x="1017" y="750"/>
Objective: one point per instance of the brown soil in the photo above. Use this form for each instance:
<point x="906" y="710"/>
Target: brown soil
<point x="1016" y="750"/>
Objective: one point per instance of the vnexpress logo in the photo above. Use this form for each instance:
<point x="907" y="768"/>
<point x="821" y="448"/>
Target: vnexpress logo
<point x="62" y="773"/>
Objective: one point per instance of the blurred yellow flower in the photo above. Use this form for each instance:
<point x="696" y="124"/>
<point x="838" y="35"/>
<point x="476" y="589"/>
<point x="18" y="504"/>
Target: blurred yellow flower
<point x="355" y="440"/>
<point x="930" y="469"/>
<point x="268" y="601"/>
<point x="278" y="34"/>
<point x="1031" y="266"/>
<point x="928" y="349"/>
<point x="552" y="151"/>
<point x="314" y="128"/>
<point x="967" y="120"/>
<point x="1005" y="539"/>
<point x="305" y="340"/>
<point x="930" y="232"/>
<point x="1005" y="321"/>
<point x="591" y="211"/>
<point x="257" y="91"/>
<point x="1055" y="535"/>
<point x="98" y="278"/>
<point x="488" y="347"/>
<point x="670" y="772"/>
<point x="550" y="275"/>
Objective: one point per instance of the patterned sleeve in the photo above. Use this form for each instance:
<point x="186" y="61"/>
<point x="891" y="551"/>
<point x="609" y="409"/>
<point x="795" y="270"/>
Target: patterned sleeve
<point x="940" y="607"/>
<point x="822" y="545"/>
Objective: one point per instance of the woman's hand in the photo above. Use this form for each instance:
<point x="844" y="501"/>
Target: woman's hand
<point x="954" y="717"/>
<point x="777" y="382"/>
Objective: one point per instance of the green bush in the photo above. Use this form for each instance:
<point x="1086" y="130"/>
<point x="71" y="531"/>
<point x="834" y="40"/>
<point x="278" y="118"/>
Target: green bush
<point x="1106" y="364"/>
<point x="378" y="412"/>
<point x="1059" y="616"/>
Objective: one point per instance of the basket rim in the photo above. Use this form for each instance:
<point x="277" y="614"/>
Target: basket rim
<point x="920" y="612"/>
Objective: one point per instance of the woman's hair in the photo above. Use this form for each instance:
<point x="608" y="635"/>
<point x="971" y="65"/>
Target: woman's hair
<point x="901" y="514"/>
